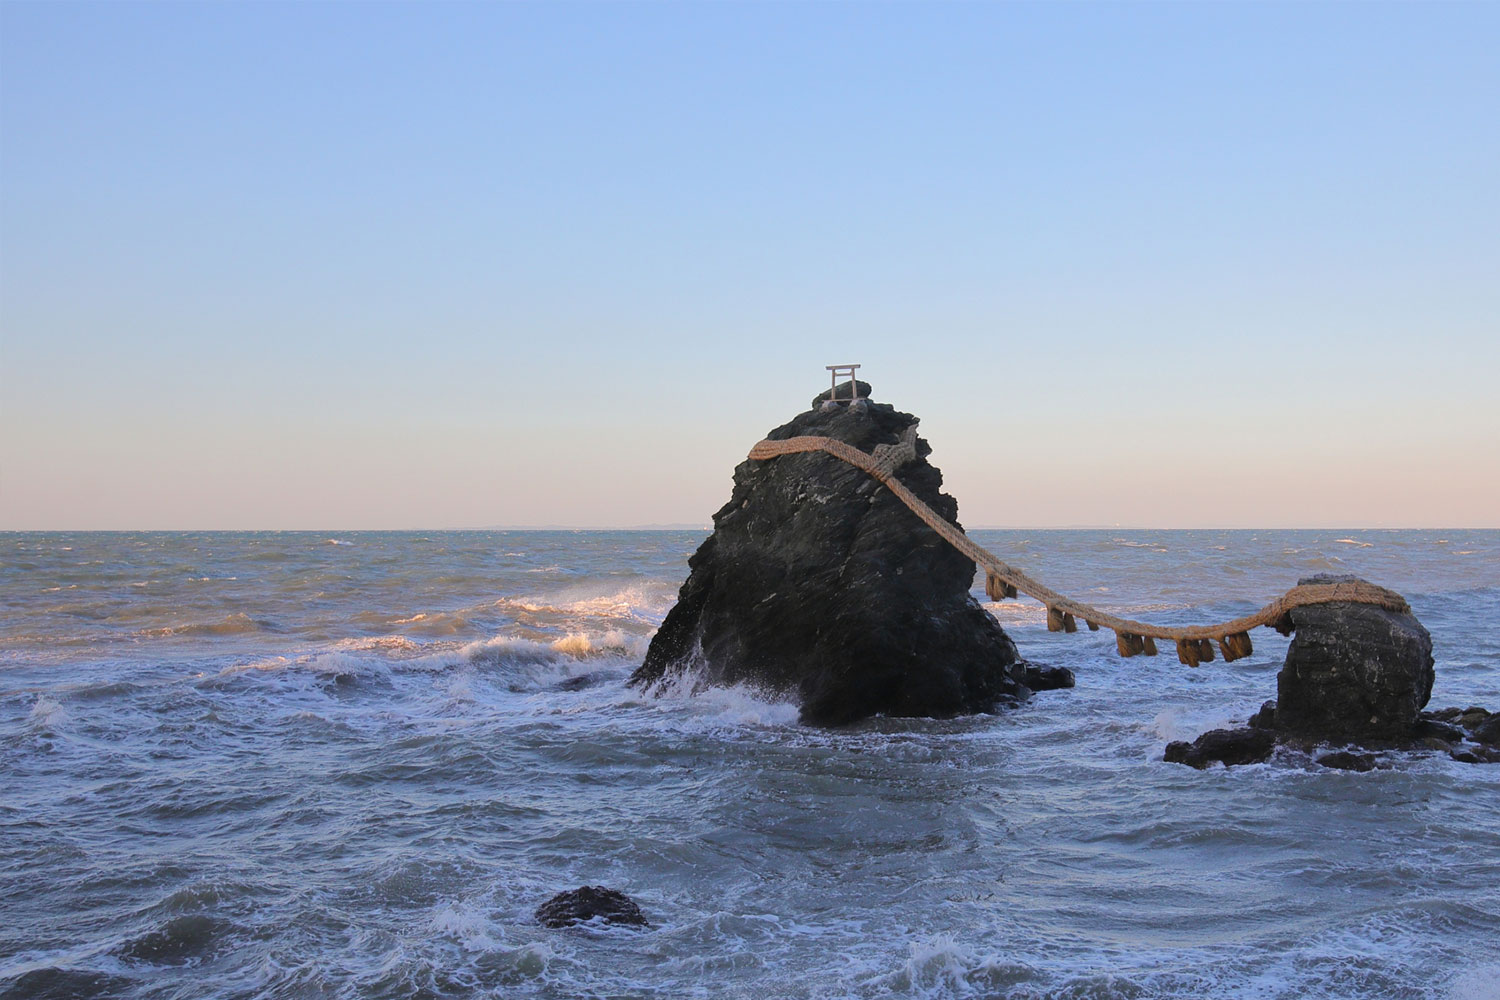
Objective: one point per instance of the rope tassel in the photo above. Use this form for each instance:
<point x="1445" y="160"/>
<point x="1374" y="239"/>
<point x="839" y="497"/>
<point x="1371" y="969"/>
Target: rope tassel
<point x="1054" y="620"/>
<point x="1187" y="651"/>
<point x="1236" y="646"/>
<point x="995" y="588"/>
<point x="1205" y="651"/>
<point x="1129" y="645"/>
<point x="1070" y="624"/>
<point x="1149" y="645"/>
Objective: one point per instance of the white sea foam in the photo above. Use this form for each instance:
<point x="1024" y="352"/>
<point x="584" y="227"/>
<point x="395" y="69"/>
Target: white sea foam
<point x="46" y="714"/>
<point x="935" y="963"/>
<point x="1185" y="724"/>
<point x="740" y="705"/>
<point x="466" y="923"/>
<point x="339" y="664"/>
<point x="1482" y="982"/>
<point x="575" y="646"/>
<point x="639" y="604"/>
<point x="384" y="643"/>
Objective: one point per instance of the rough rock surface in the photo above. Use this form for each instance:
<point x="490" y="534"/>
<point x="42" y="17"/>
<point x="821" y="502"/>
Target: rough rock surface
<point x="1048" y="678"/>
<point x="819" y="583"/>
<point x="587" y="903"/>
<point x="1468" y="735"/>
<point x="1359" y="675"/>
<point x="1347" y="760"/>
<point x="1223" y="746"/>
<point x="1266" y="717"/>
<point x="1353" y="673"/>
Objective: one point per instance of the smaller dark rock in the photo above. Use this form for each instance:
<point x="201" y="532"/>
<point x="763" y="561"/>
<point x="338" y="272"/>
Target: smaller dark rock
<point x="1433" y="743"/>
<point x="580" y="683"/>
<point x="1266" y="717"/>
<point x="1443" y="714"/>
<point x="1354" y="672"/>
<point x="1432" y="729"/>
<point x="588" y="902"/>
<point x="1345" y="760"/>
<point x="1488" y="731"/>
<point x="1475" y="754"/>
<point x="1226" y="746"/>
<point x="1048" y="678"/>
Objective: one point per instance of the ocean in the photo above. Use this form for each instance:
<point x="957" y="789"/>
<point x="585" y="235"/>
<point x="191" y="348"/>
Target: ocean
<point x="314" y="765"/>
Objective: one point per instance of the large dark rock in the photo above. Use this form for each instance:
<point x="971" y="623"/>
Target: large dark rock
<point x="590" y="902"/>
<point x="1354" y="673"/>
<point x="819" y="583"/>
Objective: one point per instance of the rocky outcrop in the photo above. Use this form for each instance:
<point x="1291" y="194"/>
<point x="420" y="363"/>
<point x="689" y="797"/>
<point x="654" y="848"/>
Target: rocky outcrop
<point x="1468" y="735"/>
<point x="590" y="902"/>
<point x="1475" y="723"/>
<point x="817" y="582"/>
<point x="1223" y="746"/>
<point x="1354" y="672"/>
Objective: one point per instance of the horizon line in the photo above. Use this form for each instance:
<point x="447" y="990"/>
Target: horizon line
<point x="710" y="527"/>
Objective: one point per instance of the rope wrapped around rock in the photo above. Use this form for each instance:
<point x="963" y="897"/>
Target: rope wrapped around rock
<point x="1195" y="643"/>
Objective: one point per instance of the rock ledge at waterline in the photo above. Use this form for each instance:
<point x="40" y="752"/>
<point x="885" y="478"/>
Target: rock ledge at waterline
<point x="1356" y="675"/>
<point x="819" y="584"/>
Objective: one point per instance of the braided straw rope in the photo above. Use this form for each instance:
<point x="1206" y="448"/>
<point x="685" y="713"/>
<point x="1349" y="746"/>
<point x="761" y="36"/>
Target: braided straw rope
<point x="1134" y="636"/>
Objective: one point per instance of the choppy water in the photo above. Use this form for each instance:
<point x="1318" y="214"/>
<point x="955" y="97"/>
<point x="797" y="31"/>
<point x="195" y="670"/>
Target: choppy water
<point x="296" y="765"/>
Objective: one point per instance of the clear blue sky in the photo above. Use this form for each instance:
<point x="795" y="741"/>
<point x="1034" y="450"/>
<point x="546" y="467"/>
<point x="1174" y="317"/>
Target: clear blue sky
<point x="378" y="265"/>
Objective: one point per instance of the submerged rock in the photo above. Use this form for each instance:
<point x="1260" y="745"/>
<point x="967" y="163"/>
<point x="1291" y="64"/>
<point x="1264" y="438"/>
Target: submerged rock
<point x="1347" y="760"/>
<point x="817" y="582"/>
<point x="1223" y="746"/>
<point x="1353" y="673"/>
<point x="590" y="902"/>
<point x="1048" y="678"/>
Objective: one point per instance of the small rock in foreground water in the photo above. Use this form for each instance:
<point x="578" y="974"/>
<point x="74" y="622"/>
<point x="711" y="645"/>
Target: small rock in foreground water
<point x="587" y="902"/>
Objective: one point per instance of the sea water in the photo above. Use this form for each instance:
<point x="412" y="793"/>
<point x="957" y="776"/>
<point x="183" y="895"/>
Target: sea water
<point x="351" y="765"/>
